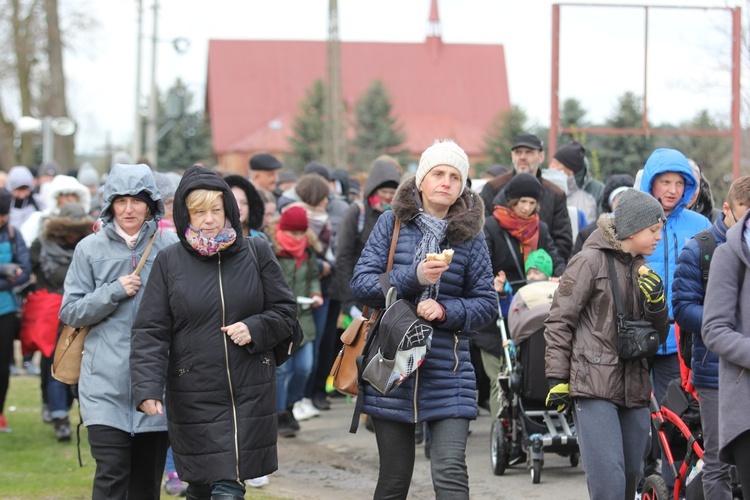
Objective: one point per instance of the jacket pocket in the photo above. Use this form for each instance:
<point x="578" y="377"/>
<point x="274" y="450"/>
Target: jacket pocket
<point x="182" y="368"/>
<point x="598" y="374"/>
<point x="602" y="313"/>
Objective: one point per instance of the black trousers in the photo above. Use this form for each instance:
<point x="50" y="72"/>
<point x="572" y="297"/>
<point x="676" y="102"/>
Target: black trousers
<point x="740" y="449"/>
<point x="8" y="327"/>
<point x="127" y="467"/>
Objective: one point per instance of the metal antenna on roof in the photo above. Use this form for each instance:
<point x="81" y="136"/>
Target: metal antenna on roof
<point x="334" y="148"/>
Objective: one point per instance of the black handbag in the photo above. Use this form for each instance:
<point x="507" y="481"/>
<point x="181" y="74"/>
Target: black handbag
<point x="636" y="339"/>
<point x="292" y="342"/>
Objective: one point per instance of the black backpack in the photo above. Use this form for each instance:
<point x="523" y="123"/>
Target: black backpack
<point x="706" y="245"/>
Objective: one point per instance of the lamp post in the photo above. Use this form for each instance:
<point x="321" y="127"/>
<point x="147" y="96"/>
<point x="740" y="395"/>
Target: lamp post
<point x="48" y="127"/>
<point x="180" y="45"/>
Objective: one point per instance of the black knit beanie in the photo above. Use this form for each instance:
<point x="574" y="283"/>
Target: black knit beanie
<point x="571" y="155"/>
<point x="523" y="185"/>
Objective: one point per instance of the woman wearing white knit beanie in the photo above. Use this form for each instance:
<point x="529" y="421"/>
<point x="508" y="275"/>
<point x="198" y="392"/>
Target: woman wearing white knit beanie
<point x="443" y="153"/>
<point x="440" y="264"/>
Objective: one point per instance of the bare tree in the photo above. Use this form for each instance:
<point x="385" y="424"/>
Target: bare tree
<point x="25" y="29"/>
<point x="56" y="100"/>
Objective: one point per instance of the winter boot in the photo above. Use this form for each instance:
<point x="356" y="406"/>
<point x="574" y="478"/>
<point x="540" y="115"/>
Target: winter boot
<point x="62" y="429"/>
<point x="285" y="425"/>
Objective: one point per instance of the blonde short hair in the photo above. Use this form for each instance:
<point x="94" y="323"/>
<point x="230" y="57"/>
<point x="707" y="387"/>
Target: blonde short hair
<point x="202" y="199"/>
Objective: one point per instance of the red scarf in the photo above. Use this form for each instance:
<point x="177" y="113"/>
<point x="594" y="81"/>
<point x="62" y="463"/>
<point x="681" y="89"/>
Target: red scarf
<point x="292" y="247"/>
<point x="523" y="229"/>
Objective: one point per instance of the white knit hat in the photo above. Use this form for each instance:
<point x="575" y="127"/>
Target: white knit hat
<point x="443" y="153"/>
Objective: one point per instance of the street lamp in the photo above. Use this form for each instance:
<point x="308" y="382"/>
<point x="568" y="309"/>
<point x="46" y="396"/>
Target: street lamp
<point x="48" y="127"/>
<point x="180" y="45"/>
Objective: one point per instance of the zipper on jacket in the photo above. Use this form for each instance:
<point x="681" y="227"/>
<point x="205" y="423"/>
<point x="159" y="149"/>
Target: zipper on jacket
<point x="665" y="278"/>
<point x="134" y="310"/>
<point x="455" y="352"/>
<point x="229" y="376"/>
<point x="742" y="372"/>
<point x="414" y="400"/>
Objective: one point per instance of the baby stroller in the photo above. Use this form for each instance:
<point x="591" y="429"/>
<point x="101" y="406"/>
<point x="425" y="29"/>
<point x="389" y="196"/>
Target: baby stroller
<point x="525" y="427"/>
<point x="677" y="423"/>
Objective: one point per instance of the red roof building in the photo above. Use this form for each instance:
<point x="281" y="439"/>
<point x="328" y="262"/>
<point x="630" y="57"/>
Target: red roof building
<point x="437" y="90"/>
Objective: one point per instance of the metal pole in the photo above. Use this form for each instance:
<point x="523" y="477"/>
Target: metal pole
<point x="554" y="123"/>
<point x="644" y="116"/>
<point x="48" y="141"/>
<point x="137" y="150"/>
<point x="736" y="66"/>
<point x="151" y="131"/>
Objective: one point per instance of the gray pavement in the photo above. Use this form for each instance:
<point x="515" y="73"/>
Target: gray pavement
<point x="324" y="461"/>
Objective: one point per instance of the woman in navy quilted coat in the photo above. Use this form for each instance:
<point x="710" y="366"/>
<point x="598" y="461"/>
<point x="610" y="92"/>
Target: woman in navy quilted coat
<point x="436" y="212"/>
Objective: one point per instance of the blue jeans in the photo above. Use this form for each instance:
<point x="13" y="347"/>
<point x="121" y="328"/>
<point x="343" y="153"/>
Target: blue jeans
<point x="58" y="398"/>
<point x="169" y="464"/>
<point x="320" y="317"/>
<point x="292" y="376"/>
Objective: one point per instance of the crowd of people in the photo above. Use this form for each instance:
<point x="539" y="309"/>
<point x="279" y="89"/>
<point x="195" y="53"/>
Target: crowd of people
<point x="190" y="281"/>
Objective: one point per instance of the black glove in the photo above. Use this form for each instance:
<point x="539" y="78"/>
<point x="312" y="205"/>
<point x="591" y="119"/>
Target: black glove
<point x="652" y="287"/>
<point x="559" y="394"/>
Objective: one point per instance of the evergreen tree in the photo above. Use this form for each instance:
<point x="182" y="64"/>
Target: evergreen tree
<point x="308" y="129"/>
<point x="188" y="141"/>
<point x="499" y="139"/>
<point x="624" y="153"/>
<point x="376" y="130"/>
<point x="572" y="115"/>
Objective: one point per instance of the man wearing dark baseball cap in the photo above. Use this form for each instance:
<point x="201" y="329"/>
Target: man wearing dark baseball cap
<point x="527" y="154"/>
<point x="264" y="171"/>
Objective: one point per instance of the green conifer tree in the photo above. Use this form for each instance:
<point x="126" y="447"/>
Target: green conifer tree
<point x="376" y="130"/>
<point x="308" y="129"/>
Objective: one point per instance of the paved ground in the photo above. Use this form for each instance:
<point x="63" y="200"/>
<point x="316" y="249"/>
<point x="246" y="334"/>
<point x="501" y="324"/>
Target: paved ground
<point x="324" y="461"/>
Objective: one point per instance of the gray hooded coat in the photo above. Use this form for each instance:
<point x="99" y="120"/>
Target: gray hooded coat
<point x="95" y="296"/>
<point x="726" y="332"/>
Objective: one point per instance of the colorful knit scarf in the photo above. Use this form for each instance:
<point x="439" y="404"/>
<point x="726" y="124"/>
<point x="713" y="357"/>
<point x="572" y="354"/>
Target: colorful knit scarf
<point x="523" y="229"/>
<point x="208" y="246"/>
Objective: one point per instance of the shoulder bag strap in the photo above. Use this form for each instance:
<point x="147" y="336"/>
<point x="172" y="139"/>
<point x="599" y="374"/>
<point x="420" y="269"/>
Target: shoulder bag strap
<point x="513" y="254"/>
<point x="385" y="284"/>
<point x="615" y="288"/>
<point x="373" y="317"/>
<point x="142" y="262"/>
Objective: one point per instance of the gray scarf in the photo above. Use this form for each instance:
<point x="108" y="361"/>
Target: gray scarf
<point x="433" y="232"/>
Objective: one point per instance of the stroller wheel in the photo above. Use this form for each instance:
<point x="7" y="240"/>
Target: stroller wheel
<point x="654" y="488"/>
<point x="574" y="458"/>
<point x="499" y="448"/>
<point x="536" y="471"/>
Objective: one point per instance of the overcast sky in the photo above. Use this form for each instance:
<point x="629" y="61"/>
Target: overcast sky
<point x="602" y="50"/>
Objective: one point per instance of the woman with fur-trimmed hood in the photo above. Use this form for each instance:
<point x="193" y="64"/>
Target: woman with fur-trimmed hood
<point x="51" y="255"/>
<point x="435" y="212"/>
<point x="296" y="247"/>
<point x="609" y="395"/>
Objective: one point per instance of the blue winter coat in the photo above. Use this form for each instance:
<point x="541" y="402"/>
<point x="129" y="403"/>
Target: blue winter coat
<point x="681" y="224"/>
<point x="12" y="249"/>
<point x="687" y="302"/>
<point x="444" y="385"/>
